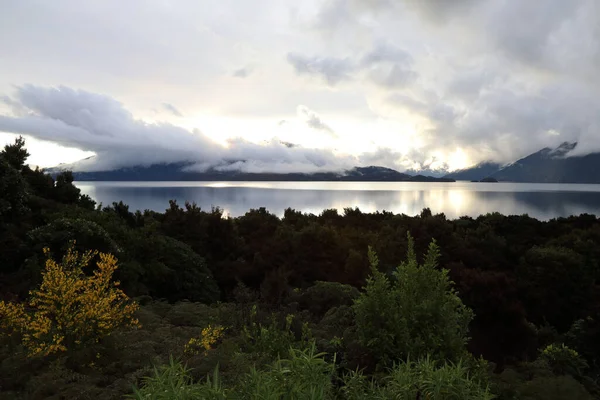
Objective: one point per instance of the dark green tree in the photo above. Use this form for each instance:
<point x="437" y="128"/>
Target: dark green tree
<point x="16" y="154"/>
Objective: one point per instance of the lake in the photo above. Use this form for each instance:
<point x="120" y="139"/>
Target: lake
<point x="543" y="201"/>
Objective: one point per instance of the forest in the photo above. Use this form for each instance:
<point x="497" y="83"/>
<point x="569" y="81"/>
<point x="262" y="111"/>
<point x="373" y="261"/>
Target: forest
<point x="101" y="302"/>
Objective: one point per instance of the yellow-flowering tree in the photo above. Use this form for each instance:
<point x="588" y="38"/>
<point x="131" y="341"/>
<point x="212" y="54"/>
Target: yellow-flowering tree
<point x="70" y="308"/>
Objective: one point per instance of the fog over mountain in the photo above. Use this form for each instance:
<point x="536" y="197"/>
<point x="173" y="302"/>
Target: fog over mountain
<point x="315" y="86"/>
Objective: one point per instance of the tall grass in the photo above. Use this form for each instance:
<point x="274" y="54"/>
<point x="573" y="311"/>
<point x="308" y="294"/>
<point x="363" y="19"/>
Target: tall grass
<point x="173" y="382"/>
<point x="307" y="375"/>
<point x="304" y="375"/>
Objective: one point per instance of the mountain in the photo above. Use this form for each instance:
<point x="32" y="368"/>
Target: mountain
<point x="436" y="173"/>
<point x="477" y="173"/>
<point x="549" y="165"/>
<point x="177" y="172"/>
<point x="552" y="166"/>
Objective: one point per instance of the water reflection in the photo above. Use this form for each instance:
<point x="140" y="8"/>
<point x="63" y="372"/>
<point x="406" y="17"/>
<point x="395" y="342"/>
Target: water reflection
<point x="455" y="200"/>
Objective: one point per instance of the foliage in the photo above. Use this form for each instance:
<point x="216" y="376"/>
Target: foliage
<point x="13" y="192"/>
<point x="558" y="280"/>
<point x="274" y="339"/>
<point x="307" y="375"/>
<point x="414" y="313"/>
<point x="69" y="308"/>
<point x="530" y="283"/>
<point x="173" y="382"/>
<point x="430" y="380"/>
<point x="322" y="296"/>
<point x="208" y="338"/>
<point x="58" y="235"/>
<point x="15" y="154"/>
<point x="171" y="269"/>
<point x="563" y="360"/>
<point x="534" y="381"/>
<point x="304" y="375"/>
<point x="553" y="388"/>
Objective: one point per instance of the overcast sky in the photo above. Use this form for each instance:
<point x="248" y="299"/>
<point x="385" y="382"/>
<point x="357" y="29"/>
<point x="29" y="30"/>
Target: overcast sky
<point x="298" y="85"/>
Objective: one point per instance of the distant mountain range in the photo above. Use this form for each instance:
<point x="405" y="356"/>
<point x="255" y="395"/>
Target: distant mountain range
<point x="549" y="165"/>
<point x="178" y="172"/>
<point x="545" y="166"/>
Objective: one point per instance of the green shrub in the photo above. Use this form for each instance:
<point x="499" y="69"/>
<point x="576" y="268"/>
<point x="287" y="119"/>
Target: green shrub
<point x="323" y="296"/>
<point x="414" y="313"/>
<point x="553" y="388"/>
<point x="562" y="360"/>
<point x="58" y="235"/>
<point x="274" y="339"/>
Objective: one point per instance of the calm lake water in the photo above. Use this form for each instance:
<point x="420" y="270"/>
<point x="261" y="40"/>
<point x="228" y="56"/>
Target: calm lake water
<point x="543" y="201"/>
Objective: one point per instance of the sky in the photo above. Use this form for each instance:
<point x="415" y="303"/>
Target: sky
<point x="289" y="86"/>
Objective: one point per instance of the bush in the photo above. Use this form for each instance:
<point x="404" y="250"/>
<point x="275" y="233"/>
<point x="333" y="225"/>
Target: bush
<point x="70" y="309"/>
<point x="58" y="235"/>
<point x="553" y="388"/>
<point x="274" y="339"/>
<point x="171" y="269"/>
<point x="562" y="360"/>
<point x="322" y="296"/>
<point x="412" y="314"/>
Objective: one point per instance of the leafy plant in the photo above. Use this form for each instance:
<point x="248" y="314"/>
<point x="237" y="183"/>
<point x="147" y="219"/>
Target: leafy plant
<point x="208" y="338"/>
<point x="414" y="313"/>
<point x="273" y="339"/>
<point x="428" y="379"/>
<point x="70" y="308"/>
<point x="423" y="379"/>
<point x="173" y="382"/>
<point x="304" y="375"/>
<point x="563" y="360"/>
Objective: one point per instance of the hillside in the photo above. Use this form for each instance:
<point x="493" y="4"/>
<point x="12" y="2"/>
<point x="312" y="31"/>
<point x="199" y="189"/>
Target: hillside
<point x="549" y="165"/>
<point x="478" y="172"/>
<point x="552" y="166"/>
<point x="177" y="172"/>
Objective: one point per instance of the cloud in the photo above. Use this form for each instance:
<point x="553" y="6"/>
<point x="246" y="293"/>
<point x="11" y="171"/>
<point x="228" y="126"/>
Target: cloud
<point x="495" y="79"/>
<point x="242" y="72"/>
<point x="385" y="65"/>
<point x="441" y="11"/>
<point x="172" y="109"/>
<point x="98" y="123"/>
<point x="332" y="70"/>
<point x="314" y="121"/>
<point x="386" y="52"/>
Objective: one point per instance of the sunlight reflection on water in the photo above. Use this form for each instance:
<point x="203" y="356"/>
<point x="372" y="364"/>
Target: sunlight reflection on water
<point x="456" y="199"/>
